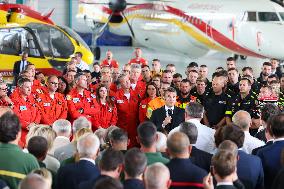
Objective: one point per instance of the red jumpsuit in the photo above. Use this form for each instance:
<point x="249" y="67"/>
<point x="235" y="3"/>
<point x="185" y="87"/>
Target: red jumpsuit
<point x="28" y="112"/>
<point x="140" y="89"/>
<point x="113" y="63"/>
<point x="127" y="113"/>
<point x="79" y="105"/>
<point x="143" y="109"/>
<point x="52" y="109"/>
<point x="141" y="61"/>
<point x="106" y="116"/>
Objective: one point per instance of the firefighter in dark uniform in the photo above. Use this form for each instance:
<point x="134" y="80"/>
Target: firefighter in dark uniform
<point x="200" y="90"/>
<point x="184" y="96"/>
<point x="215" y="104"/>
<point x="255" y="85"/>
<point x="233" y="82"/>
<point x="246" y="101"/>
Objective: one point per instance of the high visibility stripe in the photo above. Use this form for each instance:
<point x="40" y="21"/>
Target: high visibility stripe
<point x="12" y="174"/>
<point x="228" y="112"/>
<point x="187" y="184"/>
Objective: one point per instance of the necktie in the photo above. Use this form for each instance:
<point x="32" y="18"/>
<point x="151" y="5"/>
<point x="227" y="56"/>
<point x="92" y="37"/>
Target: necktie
<point x="170" y="112"/>
<point x="23" y="66"/>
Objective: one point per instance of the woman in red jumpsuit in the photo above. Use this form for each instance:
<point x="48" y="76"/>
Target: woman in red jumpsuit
<point x="107" y="112"/>
<point x="151" y="92"/>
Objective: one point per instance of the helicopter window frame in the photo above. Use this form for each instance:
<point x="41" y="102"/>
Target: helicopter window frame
<point x="54" y="42"/>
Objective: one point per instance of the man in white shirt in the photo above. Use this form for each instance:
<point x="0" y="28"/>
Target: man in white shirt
<point x="80" y="63"/>
<point x="205" y="140"/>
<point x="242" y="119"/>
<point x="62" y="128"/>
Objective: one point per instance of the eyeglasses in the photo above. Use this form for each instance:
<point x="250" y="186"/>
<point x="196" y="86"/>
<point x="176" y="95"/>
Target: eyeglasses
<point x="54" y="83"/>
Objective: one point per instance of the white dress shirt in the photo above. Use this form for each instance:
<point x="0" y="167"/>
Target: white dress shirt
<point x="251" y="143"/>
<point x="205" y="139"/>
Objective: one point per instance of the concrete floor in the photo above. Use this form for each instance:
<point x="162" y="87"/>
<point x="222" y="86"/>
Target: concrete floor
<point x="123" y="54"/>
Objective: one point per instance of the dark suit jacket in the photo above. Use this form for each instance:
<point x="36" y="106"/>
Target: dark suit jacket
<point x="250" y="171"/>
<point x="226" y="187"/>
<point x="254" y="151"/>
<point x="89" y="184"/>
<point x="201" y="158"/>
<point x="16" y="70"/>
<point x="271" y="161"/>
<point x="159" y="115"/>
<point x="71" y="175"/>
<point x="133" y="184"/>
<point x="184" y="171"/>
<point x="279" y="181"/>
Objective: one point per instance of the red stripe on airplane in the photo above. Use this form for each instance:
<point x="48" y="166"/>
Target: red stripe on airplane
<point x="202" y="26"/>
<point x="25" y="10"/>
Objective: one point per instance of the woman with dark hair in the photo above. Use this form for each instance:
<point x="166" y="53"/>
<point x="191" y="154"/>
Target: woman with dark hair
<point x="62" y="86"/>
<point x="151" y="92"/>
<point x="107" y="112"/>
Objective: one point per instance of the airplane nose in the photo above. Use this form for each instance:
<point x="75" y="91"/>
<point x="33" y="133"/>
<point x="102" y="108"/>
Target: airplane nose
<point x="270" y="41"/>
<point x="265" y="39"/>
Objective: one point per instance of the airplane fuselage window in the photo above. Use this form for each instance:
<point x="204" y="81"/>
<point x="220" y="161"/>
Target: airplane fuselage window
<point x="267" y="16"/>
<point x="53" y="42"/>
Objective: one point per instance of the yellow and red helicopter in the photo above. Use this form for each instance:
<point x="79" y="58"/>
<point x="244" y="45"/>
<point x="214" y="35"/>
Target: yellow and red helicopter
<point x="49" y="46"/>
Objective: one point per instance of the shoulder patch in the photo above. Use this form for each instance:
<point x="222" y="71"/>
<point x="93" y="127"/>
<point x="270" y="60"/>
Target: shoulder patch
<point x="68" y="97"/>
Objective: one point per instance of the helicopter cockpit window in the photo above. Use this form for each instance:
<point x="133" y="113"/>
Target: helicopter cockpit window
<point x="268" y="16"/>
<point x="10" y="42"/>
<point x="14" y="41"/>
<point x="53" y="42"/>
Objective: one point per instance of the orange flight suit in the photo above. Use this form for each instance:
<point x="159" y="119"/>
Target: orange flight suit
<point x="107" y="115"/>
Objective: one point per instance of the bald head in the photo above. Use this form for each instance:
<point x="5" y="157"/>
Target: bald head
<point x="242" y="119"/>
<point x="178" y="145"/>
<point x="34" y="181"/>
<point x="157" y="176"/>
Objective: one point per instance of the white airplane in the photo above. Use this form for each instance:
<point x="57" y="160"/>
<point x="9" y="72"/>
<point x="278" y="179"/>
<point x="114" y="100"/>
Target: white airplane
<point x="194" y="27"/>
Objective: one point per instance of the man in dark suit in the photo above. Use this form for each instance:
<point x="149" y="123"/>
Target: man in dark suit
<point x="184" y="174"/>
<point x="271" y="155"/>
<point x="198" y="157"/>
<point x="110" y="165"/>
<point x="169" y="116"/>
<point x="224" y="169"/>
<point x="249" y="167"/>
<point x="71" y="175"/>
<point x="134" y="165"/>
<point x="20" y="66"/>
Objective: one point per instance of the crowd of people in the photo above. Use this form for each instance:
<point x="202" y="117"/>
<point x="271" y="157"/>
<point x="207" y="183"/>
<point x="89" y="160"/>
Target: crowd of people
<point x="142" y="126"/>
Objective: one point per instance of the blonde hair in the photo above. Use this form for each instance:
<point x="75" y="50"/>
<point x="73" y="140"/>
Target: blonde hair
<point x="45" y="174"/>
<point x="44" y="131"/>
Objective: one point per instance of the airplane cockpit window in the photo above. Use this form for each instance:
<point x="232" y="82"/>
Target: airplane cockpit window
<point x="281" y="15"/>
<point x="268" y="16"/>
<point x="249" y="16"/>
<point x="53" y="42"/>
